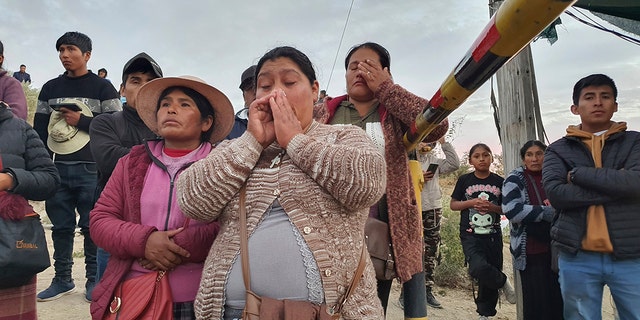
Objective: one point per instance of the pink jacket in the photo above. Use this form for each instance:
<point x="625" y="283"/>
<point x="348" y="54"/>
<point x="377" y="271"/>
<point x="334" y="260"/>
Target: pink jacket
<point x="116" y="223"/>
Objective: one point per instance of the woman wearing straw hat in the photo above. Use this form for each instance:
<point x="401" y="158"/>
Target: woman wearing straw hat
<point x="137" y="218"/>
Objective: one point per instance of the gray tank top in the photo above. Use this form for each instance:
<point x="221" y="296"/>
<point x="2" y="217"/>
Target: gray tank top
<point x="281" y="264"/>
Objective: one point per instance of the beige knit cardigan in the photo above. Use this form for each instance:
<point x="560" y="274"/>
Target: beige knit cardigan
<point x="326" y="182"/>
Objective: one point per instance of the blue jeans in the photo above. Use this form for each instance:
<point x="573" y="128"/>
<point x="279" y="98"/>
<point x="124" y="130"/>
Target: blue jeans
<point x="102" y="257"/>
<point x="583" y="276"/>
<point x="76" y="192"/>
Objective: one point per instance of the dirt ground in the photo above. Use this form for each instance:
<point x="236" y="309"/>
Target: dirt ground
<point x="458" y="303"/>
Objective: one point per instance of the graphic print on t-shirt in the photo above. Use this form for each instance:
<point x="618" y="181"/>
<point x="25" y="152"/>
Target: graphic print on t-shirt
<point x="483" y="222"/>
<point x="470" y="187"/>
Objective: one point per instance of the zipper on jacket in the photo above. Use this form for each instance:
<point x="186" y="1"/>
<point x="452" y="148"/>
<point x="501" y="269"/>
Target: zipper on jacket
<point x="171" y="180"/>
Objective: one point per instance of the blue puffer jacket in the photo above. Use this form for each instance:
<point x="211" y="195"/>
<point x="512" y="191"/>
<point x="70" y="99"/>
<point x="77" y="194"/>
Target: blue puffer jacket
<point x="616" y="186"/>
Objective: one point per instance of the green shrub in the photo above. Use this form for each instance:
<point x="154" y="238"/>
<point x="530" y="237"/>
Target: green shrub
<point x="32" y="100"/>
<point x="451" y="272"/>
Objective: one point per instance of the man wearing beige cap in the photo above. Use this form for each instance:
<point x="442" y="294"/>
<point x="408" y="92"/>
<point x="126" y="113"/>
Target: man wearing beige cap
<point x="66" y="107"/>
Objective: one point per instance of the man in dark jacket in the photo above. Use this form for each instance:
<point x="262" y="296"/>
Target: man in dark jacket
<point x="22" y="75"/>
<point x="248" y="87"/>
<point x="113" y="135"/>
<point x="591" y="177"/>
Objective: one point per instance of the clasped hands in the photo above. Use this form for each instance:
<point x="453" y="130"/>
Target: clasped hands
<point x="272" y="118"/>
<point x="483" y="206"/>
<point x="161" y="252"/>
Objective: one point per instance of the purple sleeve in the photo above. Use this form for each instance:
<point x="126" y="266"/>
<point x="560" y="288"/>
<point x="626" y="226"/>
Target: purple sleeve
<point x="12" y="94"/>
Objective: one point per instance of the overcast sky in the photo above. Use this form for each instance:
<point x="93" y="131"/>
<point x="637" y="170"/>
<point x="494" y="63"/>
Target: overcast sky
<point x="217" y="40"/>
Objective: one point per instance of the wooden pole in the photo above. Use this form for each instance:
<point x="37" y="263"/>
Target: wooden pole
<point x="517" y="108"/>
<point x="517" y="102"/>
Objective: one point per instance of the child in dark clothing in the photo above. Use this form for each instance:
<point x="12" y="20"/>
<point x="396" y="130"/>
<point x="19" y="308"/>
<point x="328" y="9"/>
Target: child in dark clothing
<point x="478" y="196"/>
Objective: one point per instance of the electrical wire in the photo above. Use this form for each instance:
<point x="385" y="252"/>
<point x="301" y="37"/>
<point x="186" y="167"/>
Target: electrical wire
<point x="339" y="45"/>
<point x="598" y="26"/>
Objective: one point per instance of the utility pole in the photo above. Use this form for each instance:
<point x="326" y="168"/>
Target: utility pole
<point x="518" y="106"/>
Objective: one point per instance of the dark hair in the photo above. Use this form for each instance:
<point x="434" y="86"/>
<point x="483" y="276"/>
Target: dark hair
<point x="529" y="144"/>
<point x="479" y="145"/>
<point x="103" y="70"/>
<point x="80" y="40"/>
<point x="295" y="55"/>
<point x="383" y="54"/>
<point x="22" y="65"/>
<point x="205" y="108"/>
<point x="593" y="80"/>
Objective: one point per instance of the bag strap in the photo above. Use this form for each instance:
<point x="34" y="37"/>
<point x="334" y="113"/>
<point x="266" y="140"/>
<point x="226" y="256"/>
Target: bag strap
<point x="532" y="181"/>
<point x="244" y="239"/>
<point x="354" y="281"/>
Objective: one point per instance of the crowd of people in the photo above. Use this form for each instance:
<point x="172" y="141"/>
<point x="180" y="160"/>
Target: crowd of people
<point x="162" y="174"/>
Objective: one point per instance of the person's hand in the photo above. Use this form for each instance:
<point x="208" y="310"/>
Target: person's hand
<point x="481" y="205"/>
<point x="285" y="120"/>
<point x="373" y="73"/>
<point x="546" y="202"/>
<point x="427" y="175"/>
<point x="71" y="117"/>
<point x="147" y="264"/>
<point x="441" y="140"/>
<point x="6" y="181"/>
<point x="260" y="123"/>
<point x="162" y="251"/>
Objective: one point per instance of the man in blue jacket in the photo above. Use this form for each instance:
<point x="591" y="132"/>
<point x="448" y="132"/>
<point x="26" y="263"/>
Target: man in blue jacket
<point x="591" y="177"/>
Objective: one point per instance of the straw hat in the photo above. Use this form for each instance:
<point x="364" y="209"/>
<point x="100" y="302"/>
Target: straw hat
<point x="149" y="94"/>
<point x="64" y="138"/>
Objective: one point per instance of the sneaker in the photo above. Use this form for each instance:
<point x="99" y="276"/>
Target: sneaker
<point x="431" y="300"/>
<point x="508" y="292"/>
<point x="57" y="289"/>
<point x="88" y="290"/>
<point x="483" y="318"/>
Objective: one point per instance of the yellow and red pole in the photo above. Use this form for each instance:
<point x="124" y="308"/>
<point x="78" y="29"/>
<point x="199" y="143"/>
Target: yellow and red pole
<point x="515" y="24"/>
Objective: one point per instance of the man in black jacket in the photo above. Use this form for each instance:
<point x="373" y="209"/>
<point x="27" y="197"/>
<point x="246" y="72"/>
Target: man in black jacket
<point x="113" y="135"/>
<point x="591" y="177"/>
